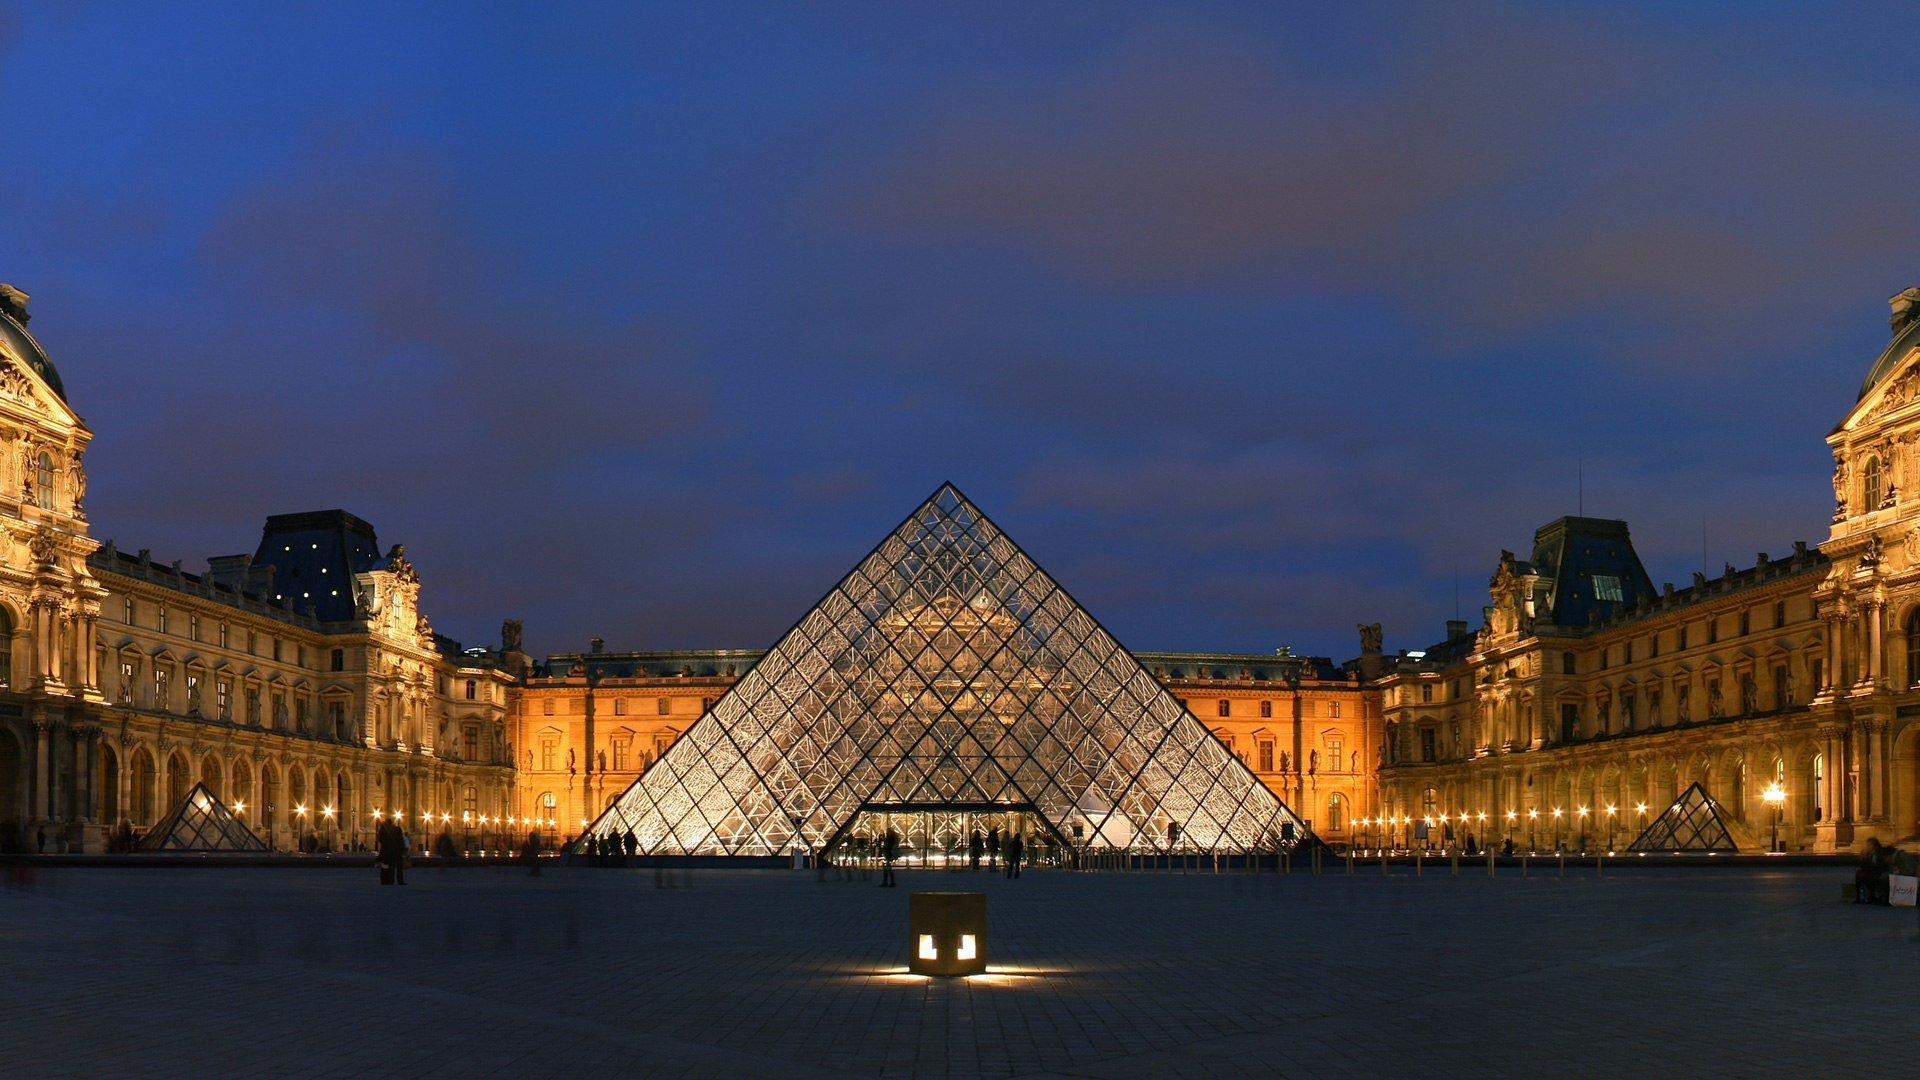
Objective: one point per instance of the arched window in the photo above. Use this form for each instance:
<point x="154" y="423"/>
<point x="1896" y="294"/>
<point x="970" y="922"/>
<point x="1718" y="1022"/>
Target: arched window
<point x="1873" y="491"/>
<point x="1336" y="813"/>
<point x="6" y="649"/>
<point x="43" y="481"/>
<point x="1429" y="803"/>
<point x="1913" y="647"/>
<point x="1819" y="786"/>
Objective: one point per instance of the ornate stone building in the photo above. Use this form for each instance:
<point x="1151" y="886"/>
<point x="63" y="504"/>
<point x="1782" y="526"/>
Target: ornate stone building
<point x="1587" y="700"/>
<point x="301" y="684"/>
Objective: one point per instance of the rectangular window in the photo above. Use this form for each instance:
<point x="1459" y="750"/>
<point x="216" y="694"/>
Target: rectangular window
<point x="1627" y="653"/>
<point x="193" y="694"/>
<point x="1426" y="694"/>
<point x="193" y="626"/>
<point x="622" y="750"/>
<point x="162" y="688"/>
<point x="470" y="742"/>
<point x="1266" y="755"/>
<point x="1333" y="709"/>
<point x="1746" y="622"/>
<point x="546" y="754"/>
<point x="1566" y="663"/>
<point x="276" y="648"/>
<point x="1780" y="690"/>
<point x="662" y="706"/>
<point x="1333" y="754"/>
<point x="1779" y="613"/>
<point x="302" y="718"/>
<point x="253" y="643"/>
<point x="1713" y="629"/>
<point x="160" y="620"/>
<point x="660" y="744"/>
<point x="339" y="660"/>
<point x="223" y="635"/>
<point x="619" y="706"/>
<point x="126" y="682"/>
<point x="473" y="689"/>
<point x="1225" y="707"/>
<point x="223" y="698"/>
<point x="1266" y="709"/>
<point x="1427" y="744"/>
<point x="337" y="718"/>
<point x="253" y="705"/>
<point x="1653" y="645"/>
<point x="1683" y="637"/>
<point x="1606" y="588"/>
<point x="546" y="707"/>
<point x="1569" y="721"/>
<point x="129" y="611"/>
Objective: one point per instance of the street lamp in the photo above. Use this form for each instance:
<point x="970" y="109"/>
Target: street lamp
<point x="1583" y="830"/>
<point x="1556" y="828"/>
<point x="1776" y="797"/>
<point x="1611" y="810"/>
<point x="1533" y="818"/>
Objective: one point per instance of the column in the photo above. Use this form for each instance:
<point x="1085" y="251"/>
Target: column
<point x="1875" y="796"/>
<point x="40" y="785"/>
<point x="124" y="782"/>
<point x="1830" y="671"/>
<point x="1875" y="661"/>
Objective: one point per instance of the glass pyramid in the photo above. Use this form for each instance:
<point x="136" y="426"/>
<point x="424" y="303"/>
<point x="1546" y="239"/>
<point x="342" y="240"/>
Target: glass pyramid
<point x="1692" y="823"/>
<point x="947" y="671"/>
<point x="200" y="823"/>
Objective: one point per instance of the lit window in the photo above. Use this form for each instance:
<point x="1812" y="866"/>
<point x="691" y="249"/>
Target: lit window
<point x="1606" y="587"/>
<point x="43" y="491"/>
<point x="1225" y="707"/>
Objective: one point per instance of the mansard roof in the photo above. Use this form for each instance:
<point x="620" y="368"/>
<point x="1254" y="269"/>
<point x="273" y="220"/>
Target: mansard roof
<point x="19" y="343"/>
<point x="315" y="556"/>
<point x="1574" y="556"/>
<point x="1903" y="343"/>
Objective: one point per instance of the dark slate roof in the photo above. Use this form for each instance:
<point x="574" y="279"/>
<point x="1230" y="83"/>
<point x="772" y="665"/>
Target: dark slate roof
<point x="318" y="553"/>
<point x="110" y="560"/>
<point x="1571" y="553"/>
<point x="1258" y="667"/>
<point x="1890" y="357"/>
<point x="22" y="344"/>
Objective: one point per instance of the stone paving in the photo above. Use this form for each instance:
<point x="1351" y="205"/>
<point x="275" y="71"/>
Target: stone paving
<point x="583" y="972"/>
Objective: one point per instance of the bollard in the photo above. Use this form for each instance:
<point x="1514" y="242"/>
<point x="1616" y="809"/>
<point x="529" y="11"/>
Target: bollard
<point x="1599" y="866"/>
<point x="1489" y="864"/>
<point x="1383" y="862"/>
<point x="1523" y="863"/>
<point x="1563" y="864"/>
<point x="1456" y="862"/>
<point x="1349" y="864"/>
<point x="1419" y="862"/>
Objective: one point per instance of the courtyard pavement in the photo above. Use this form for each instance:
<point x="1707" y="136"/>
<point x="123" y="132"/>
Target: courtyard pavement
<point x="584" y="972"/>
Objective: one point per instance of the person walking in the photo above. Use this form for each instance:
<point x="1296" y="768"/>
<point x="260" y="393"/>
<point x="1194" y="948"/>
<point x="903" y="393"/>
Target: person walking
<point x="1014" y="847"/>
<point x="975" y="845"/>
<point x="993" y="847"/>
<point x="889" y="848"/>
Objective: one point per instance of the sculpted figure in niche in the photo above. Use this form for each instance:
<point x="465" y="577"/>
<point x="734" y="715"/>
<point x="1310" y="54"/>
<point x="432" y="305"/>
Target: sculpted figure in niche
<point x="1749" y="696"/>
<point x="1714" y="706"/>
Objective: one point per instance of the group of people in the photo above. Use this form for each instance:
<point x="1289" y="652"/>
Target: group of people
<point x="1014" y="846"/>
<point x="611" y="848"/>
<point x="391" y="846"/>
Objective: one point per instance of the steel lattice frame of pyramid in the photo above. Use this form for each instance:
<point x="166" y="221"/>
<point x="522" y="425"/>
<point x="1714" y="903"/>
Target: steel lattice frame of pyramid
<point x="947" y="669"/>
<point x="201" y="823"/>
<point x="1692" y="823"/>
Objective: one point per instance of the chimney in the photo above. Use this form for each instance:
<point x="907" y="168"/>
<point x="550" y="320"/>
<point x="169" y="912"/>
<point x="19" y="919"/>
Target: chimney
<point x="1456" y="629"/>
<point x="1905" y="305"/>
<point x="13" y="302"/>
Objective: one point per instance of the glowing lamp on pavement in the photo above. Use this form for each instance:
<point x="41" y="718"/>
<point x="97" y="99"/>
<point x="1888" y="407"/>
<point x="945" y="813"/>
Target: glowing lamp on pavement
<point x="947" y="933"/>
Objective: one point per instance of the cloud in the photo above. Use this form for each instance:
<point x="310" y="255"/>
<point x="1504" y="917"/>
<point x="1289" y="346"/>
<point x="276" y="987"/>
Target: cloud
<point x="1512" y="174"/>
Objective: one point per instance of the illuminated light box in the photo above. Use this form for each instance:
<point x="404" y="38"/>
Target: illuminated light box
<point x="947" y="933"/>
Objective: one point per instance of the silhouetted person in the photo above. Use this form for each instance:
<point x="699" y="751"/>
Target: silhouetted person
<point x="1870" y="881"/>
<point x="1506" y="849"/>
<point x="530" y="853"/>
<point x="889" y="850"/>
<point x="993" y="846"/>
<point x="632" y="844"/>
<point x="390" y="843"/>
<point x="1014" y="847"/>
<point x="444" y="847"/>
<point x="40" y="840"/>
<point x="975" y="845"/>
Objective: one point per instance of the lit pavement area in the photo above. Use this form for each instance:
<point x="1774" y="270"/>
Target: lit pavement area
<point x="584" y="972"/>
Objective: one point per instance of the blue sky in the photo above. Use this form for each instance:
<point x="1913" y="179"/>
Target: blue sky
<point x="1250" y="323"/>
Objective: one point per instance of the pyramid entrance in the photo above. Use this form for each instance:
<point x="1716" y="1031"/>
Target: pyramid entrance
<point x="947" y="679"/>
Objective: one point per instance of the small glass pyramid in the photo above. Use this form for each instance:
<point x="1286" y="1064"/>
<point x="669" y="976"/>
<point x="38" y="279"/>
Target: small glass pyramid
<point x="1692" y="823"/>
<point x="947" y="673"/>
<point x="200" y="823"/>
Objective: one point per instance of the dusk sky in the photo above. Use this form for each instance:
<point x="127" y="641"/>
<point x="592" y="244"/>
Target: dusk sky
<point x="1250" y="324"/>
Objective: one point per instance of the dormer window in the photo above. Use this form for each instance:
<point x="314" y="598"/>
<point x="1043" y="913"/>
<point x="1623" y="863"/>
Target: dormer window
<point x="1606" y="587"/>
<point x="1875" y="489"/>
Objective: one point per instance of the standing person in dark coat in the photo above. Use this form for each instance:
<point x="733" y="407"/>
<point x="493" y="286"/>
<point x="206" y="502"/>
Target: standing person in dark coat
<point x="391" y="844"/>
<point x="889" y="850"/>
<point x="633" y="844"/>
<point x="975" y="845"/>
<point x="993" y="847"/>
<point x="1014" y="848"/>
<point x="530" y="853"/>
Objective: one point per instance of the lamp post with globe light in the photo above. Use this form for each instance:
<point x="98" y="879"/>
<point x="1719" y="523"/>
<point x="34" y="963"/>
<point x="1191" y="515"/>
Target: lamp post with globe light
<point x="1776" y="797"/>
